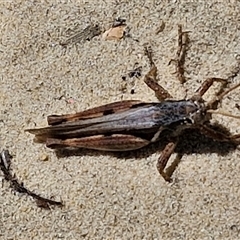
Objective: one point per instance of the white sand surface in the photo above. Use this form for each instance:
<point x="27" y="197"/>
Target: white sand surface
<point x="109" y="196"/>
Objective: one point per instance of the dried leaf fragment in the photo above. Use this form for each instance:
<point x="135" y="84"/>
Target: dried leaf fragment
<point x="114" y="33"/>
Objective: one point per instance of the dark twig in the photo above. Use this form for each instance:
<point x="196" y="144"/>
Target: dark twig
<point x="5" y="164"/>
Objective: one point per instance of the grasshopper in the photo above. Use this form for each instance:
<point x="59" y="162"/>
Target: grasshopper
<point x="133" y="124"/>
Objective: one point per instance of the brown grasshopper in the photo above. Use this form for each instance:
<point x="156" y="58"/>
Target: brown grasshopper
<point x="133" y="124"/>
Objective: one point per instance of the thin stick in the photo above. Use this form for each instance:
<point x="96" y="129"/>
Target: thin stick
<point x="5" y="163"/>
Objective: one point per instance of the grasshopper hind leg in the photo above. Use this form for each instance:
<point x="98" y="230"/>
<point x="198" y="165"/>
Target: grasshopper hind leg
<point x="114" y="142"/>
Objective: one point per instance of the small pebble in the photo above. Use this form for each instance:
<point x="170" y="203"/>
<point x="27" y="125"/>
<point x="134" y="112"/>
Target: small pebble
<point x="44" y="157"/>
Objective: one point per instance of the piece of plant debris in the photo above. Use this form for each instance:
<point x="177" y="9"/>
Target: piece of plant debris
<point x="135" y="73"/>
<point x="116" y="31"/>
<point x="119" y="22"/>
<point x="132" y="74"/>
<point x="5" y="164"/>
<point x="84" y="35"/>
<point x="160" y="27"/>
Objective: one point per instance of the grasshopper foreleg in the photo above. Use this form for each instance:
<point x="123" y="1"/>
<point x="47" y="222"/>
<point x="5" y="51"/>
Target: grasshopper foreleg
<point x="207" y="84"/>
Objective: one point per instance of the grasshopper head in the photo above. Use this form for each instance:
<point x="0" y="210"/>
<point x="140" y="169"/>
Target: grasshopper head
<point x="205" y="110"/>
<point x="199" y="114"/>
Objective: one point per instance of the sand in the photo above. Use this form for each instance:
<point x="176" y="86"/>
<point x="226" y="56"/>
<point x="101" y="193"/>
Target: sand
<point x="105" y="195"/>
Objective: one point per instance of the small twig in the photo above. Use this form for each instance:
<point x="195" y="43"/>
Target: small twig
<point x="5" y="163"/>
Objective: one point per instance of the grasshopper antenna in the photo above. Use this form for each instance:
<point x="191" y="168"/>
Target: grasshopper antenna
<point x="222" y="113"/>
